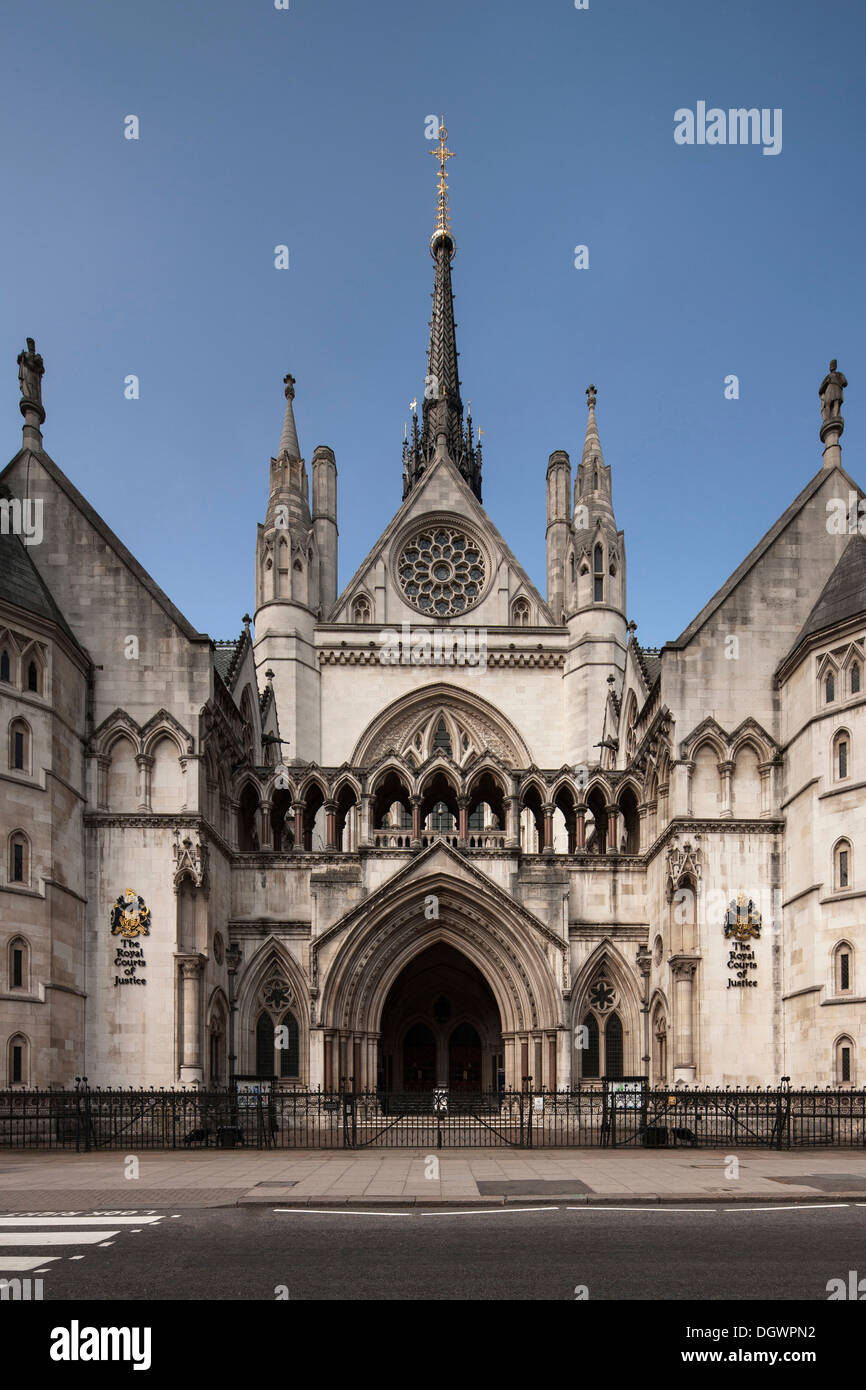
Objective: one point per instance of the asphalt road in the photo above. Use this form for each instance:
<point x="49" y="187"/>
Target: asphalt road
<point x="250" y="1253"/>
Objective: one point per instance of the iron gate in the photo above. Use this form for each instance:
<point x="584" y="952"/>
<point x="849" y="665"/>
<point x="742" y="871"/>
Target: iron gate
<point x="622" y="1114"/>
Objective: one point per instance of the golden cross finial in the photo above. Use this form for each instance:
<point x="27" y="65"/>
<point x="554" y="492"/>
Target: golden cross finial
<point x="413" y="406"/>
<point x="443" y="221"/>
<point x="480" y="433"/>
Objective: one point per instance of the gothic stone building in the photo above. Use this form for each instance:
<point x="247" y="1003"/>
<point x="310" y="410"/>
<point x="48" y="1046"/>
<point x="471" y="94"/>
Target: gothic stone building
<point x="432" y="828"/>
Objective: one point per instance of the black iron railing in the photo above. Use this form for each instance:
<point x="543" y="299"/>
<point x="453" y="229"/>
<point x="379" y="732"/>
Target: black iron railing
<point x="632" y="1116"/>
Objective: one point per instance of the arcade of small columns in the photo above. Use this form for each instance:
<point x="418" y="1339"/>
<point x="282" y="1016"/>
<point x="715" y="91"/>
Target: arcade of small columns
<point x="519" y="811"/>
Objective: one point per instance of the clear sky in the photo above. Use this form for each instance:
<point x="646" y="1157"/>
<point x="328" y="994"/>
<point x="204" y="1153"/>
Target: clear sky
<point x="305" y="127"/>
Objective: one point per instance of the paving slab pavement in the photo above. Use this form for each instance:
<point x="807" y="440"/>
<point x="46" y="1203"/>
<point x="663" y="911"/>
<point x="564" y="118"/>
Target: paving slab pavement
<point x="31" y="1181"/>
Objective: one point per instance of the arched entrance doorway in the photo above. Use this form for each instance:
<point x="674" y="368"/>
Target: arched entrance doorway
<point x="440" y="1026"/>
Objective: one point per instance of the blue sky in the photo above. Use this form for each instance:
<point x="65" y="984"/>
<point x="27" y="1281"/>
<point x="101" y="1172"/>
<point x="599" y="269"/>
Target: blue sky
<point x="305" y="127"/>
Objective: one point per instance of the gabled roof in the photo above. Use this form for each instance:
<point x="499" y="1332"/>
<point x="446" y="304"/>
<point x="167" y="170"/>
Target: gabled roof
<point x="471" y="508"/>
<point x="814" y="485"/>
<point x="22" y="585"/>
<point x="844" y="594"/>
<point x="59" y="477"/>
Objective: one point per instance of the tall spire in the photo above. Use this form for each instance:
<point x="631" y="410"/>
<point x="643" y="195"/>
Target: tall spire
<point x="592" y="443"/>
<point x="289" y="447"/>
<point x="442" y="410"/>
<point x="593" y="474"/>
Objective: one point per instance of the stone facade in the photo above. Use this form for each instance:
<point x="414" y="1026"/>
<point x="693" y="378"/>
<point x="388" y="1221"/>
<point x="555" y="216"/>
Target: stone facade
<point x="434" y="828"/>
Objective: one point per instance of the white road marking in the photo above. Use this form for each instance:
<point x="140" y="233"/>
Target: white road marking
<point x="76" y="1257"/>
<point x="814" y="1206"/>
<point x="18" y="1263"/>
<point x="53" y="1237"/>
<point x="335" y="1211"/>
<point x="75" y="1220"/>
<point x="488" y="1211"/>
<point x="654" y="1207"/>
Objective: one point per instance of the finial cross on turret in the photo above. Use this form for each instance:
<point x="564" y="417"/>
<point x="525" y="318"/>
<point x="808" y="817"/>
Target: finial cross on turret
<point x="289" y="383"/>
<point x="591" y="395"/>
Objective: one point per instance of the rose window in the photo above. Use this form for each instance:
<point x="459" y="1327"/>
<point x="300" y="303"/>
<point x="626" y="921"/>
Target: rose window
<point x="442" y="572"/>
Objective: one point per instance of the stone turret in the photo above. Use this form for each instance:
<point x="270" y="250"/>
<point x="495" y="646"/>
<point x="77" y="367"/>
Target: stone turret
<point x="558" y="529"/>
<point x="289" y="581"/>
<point x="595" y="597"/>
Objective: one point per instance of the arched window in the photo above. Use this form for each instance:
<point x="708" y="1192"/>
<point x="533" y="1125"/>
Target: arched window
<point x="264" y="1045"/>
<point x="660" y="1047"/>
<point x="19" y="963"/>
<point x="361" y="612"/>
<point x="442" y="739"/>
<point x="829" y="688"/>
<point x="19" y="746"/>
<point x="19" y="858"/>
<point x="613" y="1049"/>
<point x="589" y="1068"/>
<point x="841" y="752"/>
<point x="598" y="575"/>
<point x="843" y="969"/>
<point x="33" y="677"/>
<point x="842" y="867"/>
<point x="844" y="1062"/>
<point x="5" y="666"/>
<point x="854" y="678"/>
<point x="595" y="479"/>
<point x="520" y="613"/>
<point x="290" y="1050"/>
<point x="18" y="1060"/>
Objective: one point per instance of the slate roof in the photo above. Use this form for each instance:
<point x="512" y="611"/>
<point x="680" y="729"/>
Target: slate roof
<point x="844" y="594"/>
<point x="22" y="585"/>
<point x="227" y="658"/>
<point x="650" y="663"/>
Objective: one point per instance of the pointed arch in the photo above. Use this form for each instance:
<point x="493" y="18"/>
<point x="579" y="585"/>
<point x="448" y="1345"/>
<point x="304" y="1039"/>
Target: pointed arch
<point x="273" y="963"/>
<point x="488" y="726"/>
<point x="606" y="965"/>
<point x="480" y="921"/>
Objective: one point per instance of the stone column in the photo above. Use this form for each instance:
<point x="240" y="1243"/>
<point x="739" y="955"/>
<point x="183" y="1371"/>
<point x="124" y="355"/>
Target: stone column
<point x="462" y="820"/>
<point x="190" y="1066"/>
<point x="681" y="794"/>
<point x="366" y="819"/>
<point x="581" y="826"/>
<point x="642" y="813"/>
<point x="725" y="771"/>
<point x="265" y="827"/>
<point x="102" y="767"/>
<point x="145" y="767"/>
<point x="766" y="771"/>
<point x="548" y="809"/>
<point x="415" y="803"/>
<point x="612" y="829"/>
<point x="683" y="969"/>
<point x="331" y="826"/>
<point x="298" y="808"/>
<point x="233" y="960"/>
<point x="512" y="1081"/>
<point x="512" y="822"/>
